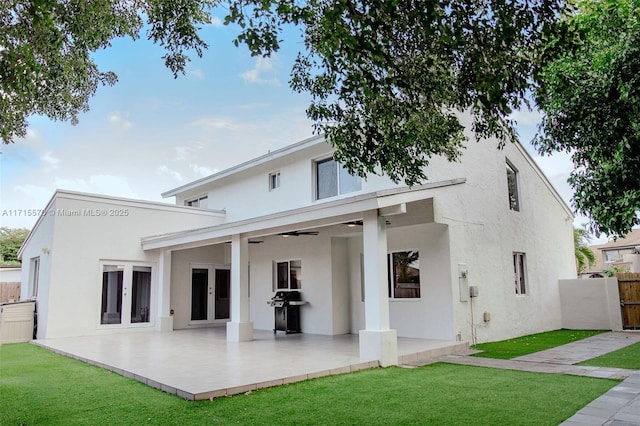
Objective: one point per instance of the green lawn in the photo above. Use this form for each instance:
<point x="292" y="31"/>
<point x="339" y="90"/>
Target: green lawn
<point x="507" y="349"/>
<point x="628" y="357"/>
<point x="40" y="387"/>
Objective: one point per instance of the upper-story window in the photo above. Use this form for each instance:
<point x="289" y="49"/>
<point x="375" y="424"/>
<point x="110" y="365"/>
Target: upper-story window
<point x="274" y="180"/>
<point x="197" y="202"/>
<point x="512" y="184"/>
<point x="332" y="179"/>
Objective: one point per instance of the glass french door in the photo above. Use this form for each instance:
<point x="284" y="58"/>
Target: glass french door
<point x="126" y="294"/>
<point x="210" y="288"/>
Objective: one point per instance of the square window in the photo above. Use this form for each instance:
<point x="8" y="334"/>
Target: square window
<point x="404" y="275"/>
<point x="288" y="275"/>
<point x="333" y="179"/>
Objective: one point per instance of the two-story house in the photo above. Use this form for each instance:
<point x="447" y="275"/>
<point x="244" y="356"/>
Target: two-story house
<point x="475" y="253"/>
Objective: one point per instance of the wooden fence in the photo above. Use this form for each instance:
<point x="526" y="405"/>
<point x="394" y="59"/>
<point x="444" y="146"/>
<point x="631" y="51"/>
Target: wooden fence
<point x="9" y="292"/>
<point x="629" y="287"/>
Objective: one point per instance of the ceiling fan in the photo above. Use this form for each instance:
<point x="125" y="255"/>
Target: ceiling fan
<point x="298" y="233"/>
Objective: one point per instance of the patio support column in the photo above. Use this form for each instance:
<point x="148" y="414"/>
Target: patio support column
<point x="239" y="329"/>
<point x="377" y="341"/>
<point x="165" y="319"/>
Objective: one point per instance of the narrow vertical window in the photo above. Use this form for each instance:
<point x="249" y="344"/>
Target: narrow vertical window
<point x="519" y="273"/>
<point x="140" y="294"/>
<point x="112" y="282"/>
<point x="512" y="184"/>
<point x="274" y="181"/>
<point x="34" y="276"/>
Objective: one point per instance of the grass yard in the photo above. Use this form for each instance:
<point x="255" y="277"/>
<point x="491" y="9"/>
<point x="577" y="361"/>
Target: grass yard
<point x="40" y="387"/>
<point x="628" y="357"/>
<point x="507" y="349"/>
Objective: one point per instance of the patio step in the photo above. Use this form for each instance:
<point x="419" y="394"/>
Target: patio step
<point x="432" y="355"/>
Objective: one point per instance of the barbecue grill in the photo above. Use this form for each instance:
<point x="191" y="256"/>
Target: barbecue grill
<point x="287" y="311"/>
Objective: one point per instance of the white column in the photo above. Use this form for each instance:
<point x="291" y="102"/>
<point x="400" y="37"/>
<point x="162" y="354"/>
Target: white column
<point x="165" y="319"/>
<point x="377" y="340"/>
<point x="239" y="329"/>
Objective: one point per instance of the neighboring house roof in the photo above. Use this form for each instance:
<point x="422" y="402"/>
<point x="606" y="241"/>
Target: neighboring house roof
<point x="631" y="240"/>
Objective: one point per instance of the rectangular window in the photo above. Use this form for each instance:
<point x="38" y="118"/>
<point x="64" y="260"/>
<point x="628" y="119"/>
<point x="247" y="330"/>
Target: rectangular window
<point x="200" y="202"/>
<point x="512" y="184"/>
<point x="34" y="276"/>
<point x="274" y="181"/>
<point x="404" y="275"/>
<point x="333" y="179"/>
<point x="288" y="275"/>
<point x="519" y="273"/>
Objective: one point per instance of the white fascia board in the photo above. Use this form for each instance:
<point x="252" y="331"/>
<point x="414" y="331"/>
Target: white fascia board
<point x="303" y="218"/>
<point x="129" y="202"/>
<point x="270" y="156"/>
<point x="37" y="225"/>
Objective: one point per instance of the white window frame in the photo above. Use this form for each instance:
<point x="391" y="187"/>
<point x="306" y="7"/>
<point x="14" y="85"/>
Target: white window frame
<point x="125" y="319"/>
<point x="520" y="273"/>
<point x="514" y="200"/>
<point x="196" y="201"/>
<point x="275" y="275"/>
<point x="316" y="180"/>
<point x="274" y="180"/>
<point x="34" y="276"/>
<point x="391" y="279"/>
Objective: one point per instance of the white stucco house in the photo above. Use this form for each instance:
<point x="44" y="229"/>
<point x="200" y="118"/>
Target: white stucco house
<point x="370" y="257"/>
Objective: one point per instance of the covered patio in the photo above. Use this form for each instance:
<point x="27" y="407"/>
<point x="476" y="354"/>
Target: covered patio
<point x="202" y="364"/>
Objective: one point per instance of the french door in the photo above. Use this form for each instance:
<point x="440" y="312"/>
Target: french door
<point x="210" y="288"/>
<point x="126" y="294"/>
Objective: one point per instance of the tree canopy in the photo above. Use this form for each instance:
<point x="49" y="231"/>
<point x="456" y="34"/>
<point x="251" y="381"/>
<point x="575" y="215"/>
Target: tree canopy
<point x="387" y="78"/>
<point x="45" y="50"/>
<point x="589" y="91"/>
<point x="10" y="241"/>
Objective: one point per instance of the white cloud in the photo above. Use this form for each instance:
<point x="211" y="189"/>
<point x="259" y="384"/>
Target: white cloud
<point x="257" y="73"/>
<point x="164" y="170"/>
<point x="212" y="123"/>
<point x="216" y="22"/>
<point x="50" y="162"/>
<point x="196" y="73"/>
<point x="202" y="171"/>
<point x="119" y="120"/>
<point x="525" y="117"/>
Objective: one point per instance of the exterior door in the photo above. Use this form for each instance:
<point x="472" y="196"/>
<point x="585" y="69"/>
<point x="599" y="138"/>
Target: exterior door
<point x="629" y="287"/>
<point x="126" y="294"/>
<point x="210" y="289"/>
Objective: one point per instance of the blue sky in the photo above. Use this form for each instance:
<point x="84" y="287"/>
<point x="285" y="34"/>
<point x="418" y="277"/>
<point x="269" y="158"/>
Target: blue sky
<point x="150" y="132"/>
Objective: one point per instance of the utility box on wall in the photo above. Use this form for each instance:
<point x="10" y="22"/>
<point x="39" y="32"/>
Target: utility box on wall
<point x="473" y="291"/>
<point x="463" y="282"/>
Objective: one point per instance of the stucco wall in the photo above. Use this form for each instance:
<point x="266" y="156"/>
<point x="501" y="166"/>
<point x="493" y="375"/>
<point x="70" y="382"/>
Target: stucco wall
<point x="484" y="234"/>
<point x="69" y="304"/>
<point x="590" y="304"/>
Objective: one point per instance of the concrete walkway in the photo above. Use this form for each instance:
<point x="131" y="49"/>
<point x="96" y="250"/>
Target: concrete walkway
<point x="618" y="406"/>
